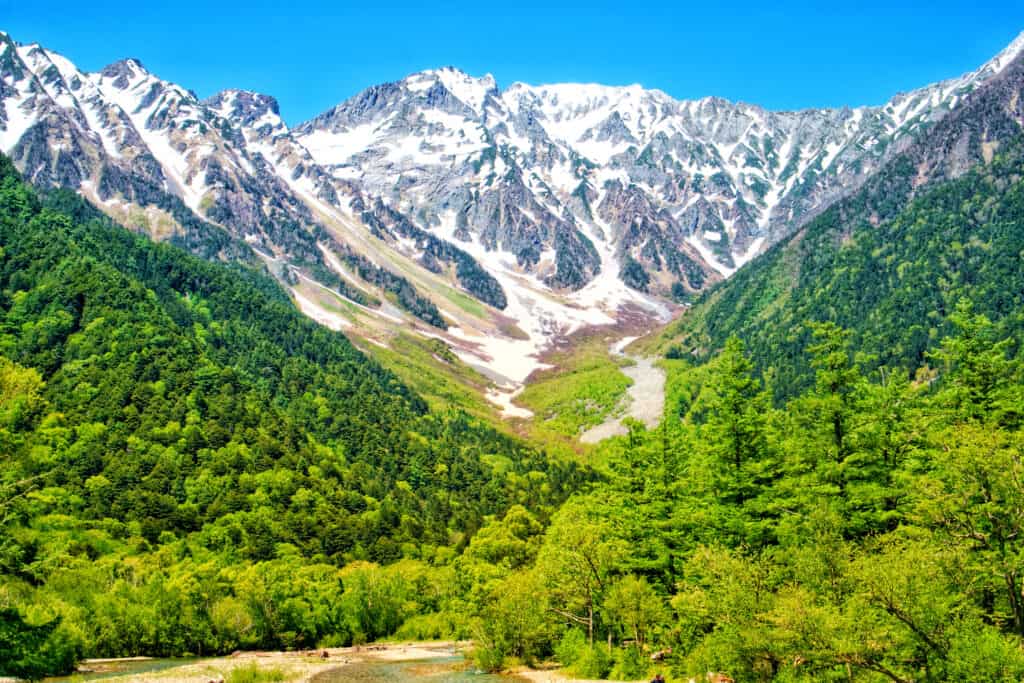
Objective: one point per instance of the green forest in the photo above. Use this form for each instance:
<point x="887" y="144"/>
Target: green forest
<point x="192" y="466"/>
<point x="836" y="491"/>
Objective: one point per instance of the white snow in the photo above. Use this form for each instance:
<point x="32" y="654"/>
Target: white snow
<point x="619" y="347"/>
<point x="99" y="127"/>
<point x="1004" y="58"/>
<point x="537" y="312"/>
<point x="600" y="152"/>
<point x="832" y="150"/>
<point x="571" y="110"/>
<point x="457" y="136"/>
<point x="709" y="256"/>
<point x="607" y="291"/>
<point x="755" y="248"/>
<point x="330" y="148"/>
<point x="320" y="314"/>
<point x="469" y="90"/>
<point x="18" y="121"/>
<point x="569" y="113"/>
<point x="174" y="163"/>
<point x="503" y="399"/>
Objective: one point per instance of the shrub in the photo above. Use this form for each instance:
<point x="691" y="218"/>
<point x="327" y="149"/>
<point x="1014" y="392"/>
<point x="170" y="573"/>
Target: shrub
<point x="488" y="657"/>
<point x="434" y="626"/>
<point x="594" y="662"/>
<point x="571" y="647"/>
<point x="675" y="352"/>
<point x="252" y="673"/>
<point x="630" y="664"/>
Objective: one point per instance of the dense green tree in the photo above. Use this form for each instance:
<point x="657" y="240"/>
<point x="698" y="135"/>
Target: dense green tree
<point x="32" y="651"/>
<point x="577" y="560"/>
<point x="738" y="409"/>
<point x="190" y="466"/>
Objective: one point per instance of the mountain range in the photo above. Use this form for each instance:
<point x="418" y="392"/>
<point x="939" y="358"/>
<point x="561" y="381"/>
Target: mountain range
<point x="499" y="220"/>
<point x="937" y="227"/>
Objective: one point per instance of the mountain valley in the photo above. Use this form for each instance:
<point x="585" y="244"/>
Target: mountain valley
<point x="498" y="221"/>
<point x="591" y="382"/>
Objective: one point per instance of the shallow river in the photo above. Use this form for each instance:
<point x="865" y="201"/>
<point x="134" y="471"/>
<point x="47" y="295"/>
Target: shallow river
<point x="452" y="669"/>
<point x="122" y="668"/>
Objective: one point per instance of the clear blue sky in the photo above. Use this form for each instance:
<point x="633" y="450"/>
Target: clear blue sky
<point x="312" y="55"/>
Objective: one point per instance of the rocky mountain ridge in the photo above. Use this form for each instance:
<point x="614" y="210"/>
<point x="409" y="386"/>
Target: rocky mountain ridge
<point x="496" y="219"/>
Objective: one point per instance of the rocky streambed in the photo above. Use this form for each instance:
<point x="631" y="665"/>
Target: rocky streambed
<point x="644" y="400"/>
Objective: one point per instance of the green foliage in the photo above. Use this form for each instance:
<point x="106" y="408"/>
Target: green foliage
<point x="869" y="528"/>
<point x="32" y="651"/>
<point x="581" y="390"/>
<point x="190" y="466"/>
<point x="594" y="662"/>
<point x="513" y="622"/>
<point x="253" y="673"/>
<point x="571" y="647"/>
<point x="633" y="609"/>
<point x="630" y="664"/>
<point x="404" y="293"/>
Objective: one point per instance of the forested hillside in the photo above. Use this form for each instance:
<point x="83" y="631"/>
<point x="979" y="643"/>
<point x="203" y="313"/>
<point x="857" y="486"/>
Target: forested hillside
<point x="189" y="465"/>
<point x="835" y="490"/>
<point x="867" y="530"/>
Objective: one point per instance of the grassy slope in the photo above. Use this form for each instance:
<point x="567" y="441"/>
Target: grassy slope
<point x="580" y="391"/>
<point x="430" y="368"/>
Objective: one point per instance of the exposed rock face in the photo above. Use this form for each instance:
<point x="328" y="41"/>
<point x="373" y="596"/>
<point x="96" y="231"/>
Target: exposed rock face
<point x="687" y="190"/>
<point x="558" y="205"/>
<point x="224" y="172"/>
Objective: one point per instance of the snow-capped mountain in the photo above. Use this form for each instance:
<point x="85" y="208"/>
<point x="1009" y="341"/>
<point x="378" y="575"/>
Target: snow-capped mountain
<point x="496" y="219"/>
<point x="679" y="191"/>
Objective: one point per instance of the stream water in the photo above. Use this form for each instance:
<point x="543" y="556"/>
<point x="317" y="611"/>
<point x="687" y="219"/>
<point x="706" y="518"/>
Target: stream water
<point x="453" y="669"/>
<point x="124" y="667"/>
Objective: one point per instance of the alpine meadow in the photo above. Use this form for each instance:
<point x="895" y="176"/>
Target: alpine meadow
<point x="540" y="382"/>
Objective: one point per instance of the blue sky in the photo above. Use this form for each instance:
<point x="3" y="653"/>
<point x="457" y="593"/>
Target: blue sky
<point x="312" y="55"/>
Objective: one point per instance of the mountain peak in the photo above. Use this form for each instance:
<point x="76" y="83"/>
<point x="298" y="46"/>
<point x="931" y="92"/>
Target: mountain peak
<point x="1008" y="54"/>
<point x="124" y="70"/>
<point x="244" y="101"/>
<point x="470" y="90"/>
<point x="452" y="74"/>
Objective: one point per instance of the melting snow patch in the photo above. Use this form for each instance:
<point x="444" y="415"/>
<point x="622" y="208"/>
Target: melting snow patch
<point x="754" y="250"/>
<point x="319" y="314"/>
<point x="503" y="399"/>
<point x="709" y="257"/>
<point x="336" y="148"/>
<point x="17" y="123"/>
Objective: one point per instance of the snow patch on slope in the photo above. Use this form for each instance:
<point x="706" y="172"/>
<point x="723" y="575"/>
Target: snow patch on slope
<point x="18" y="121"/>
